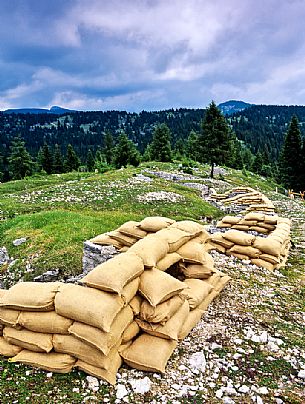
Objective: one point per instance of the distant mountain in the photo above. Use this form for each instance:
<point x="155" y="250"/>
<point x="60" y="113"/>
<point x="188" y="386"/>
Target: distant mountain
<point x="232" y="106"/>
<point x="53" y="110"/>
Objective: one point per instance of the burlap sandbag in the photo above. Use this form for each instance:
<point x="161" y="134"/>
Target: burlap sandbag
<point x="222" y="225"/>
<point x="105" y="239"/>
<point x="239" y="237"/>
<point x="267" y="226"/>
<point x="171" y="328"/>
<point x="135" y="304"/>
<point x="9" y="317"/>
<point x="248" y="222"/>
<point x="191" y="321"/>
<point x="270" y="258"/>
<point x="131" y="332"/>
<point x="271" y="219"/>
<point x="207" y="301"/>
<point x="237" y="255"/>
<point x="192" y="252"/>
<point x="202" y="237"/>
<point x="193" y="228"/>
<point x="33" y="341"/>
<point x="259" y="229"/>
<point x="114" y="274"/>
<point x="52" y="362"/>
<point x="255" y="216"/>
<point x="48" y="322"/>
<point x="168" y="261"/>
<point x="224" y="279"/>
<point x="241" y="227"/>
<point x="174" y="237"/>
<point x="217" y="247"/>
<point x="155" y="223"/>
<point x="218" y="238"/>
<point x="162" y="312"/>
<point x="131" y="228"/>
<point x="263" y="264"/>
<point x="99" y="339"/>
<point x="31" y="296"/>
<point x="230" y="219"/>
<point x="79" y="349"/>
<point x="88" y="305"/>
<point x="7" y="349"/>
<point x="248" y="251"/>
<point x="149" y="353"/>
<point x="129" y="291"/>
<point x="268" y="245"/>
<point x="196" y="292"/>
<point x="108" y="375"/>
<point x="198" y="271"/>
<point x="2" y="293"/>
<point x="214" y="279"/>
<point x="150" y="249"/>
<point x="123" y="239"/>
<point x="157" y="286"/>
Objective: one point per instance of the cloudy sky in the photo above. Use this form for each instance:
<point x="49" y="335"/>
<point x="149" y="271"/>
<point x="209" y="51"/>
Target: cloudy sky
<point x="150" y="54"/>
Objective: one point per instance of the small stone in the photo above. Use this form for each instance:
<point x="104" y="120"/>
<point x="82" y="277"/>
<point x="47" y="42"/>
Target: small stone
<point x="197" y="362"/>
<point x="50" y="374"/>
<point x="263" y="390"/>
<point x="121" y="391"/>
<point x="219" y="393"/>
<point x="19" y="241"/>
<point x="93" y="383"/>
<point x="244" y="389"/>
<point x="140" y="386"/>
<point x="259" y="400"/>
<point x="301" y="374"/>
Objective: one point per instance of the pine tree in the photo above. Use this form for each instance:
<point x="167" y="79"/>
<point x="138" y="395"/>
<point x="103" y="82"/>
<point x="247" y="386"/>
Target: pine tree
<point x="126" y="153"/>
<point x="191" y="147"/>
<point x="45" y="159"/>
<point x="214" y="140"/>
<point x="90" y="160"/>
<point x="72" y="161"/>
<point x="20" y="161"/>
<point x="161" y="146"/>
<point x="58" y="166"/>
<point x="108" y="147"/>
<point x="179" y="151"/>
<point x="291" y="158"/>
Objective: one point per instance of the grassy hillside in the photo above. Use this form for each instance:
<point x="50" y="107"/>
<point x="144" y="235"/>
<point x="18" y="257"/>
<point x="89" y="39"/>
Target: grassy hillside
<point x="58" y="213"/>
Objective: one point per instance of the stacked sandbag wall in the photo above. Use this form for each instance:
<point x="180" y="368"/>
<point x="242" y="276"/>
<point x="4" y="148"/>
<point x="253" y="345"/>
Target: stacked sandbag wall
<point x="136" y="306"/>
<point x="268" y="251"/>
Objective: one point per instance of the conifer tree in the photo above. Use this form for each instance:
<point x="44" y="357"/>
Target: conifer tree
<point x="108" y="147"/>
<point x="291" y="158"/>
<point x="58" y="166"/>
<point x="45" y="159"/>
<point x="191" y="147"/>
<point x="72" y="161"/>
<point x="214" y="139"/>
<point x="90" y="160"/>
<point x="20" y="161"/>
<point x="160" y="149"/>
<point x="126" y="153"/>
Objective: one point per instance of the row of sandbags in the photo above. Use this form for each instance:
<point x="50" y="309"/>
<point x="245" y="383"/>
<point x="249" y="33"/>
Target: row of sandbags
<point x="252" y="221"/>
<point x="127" y="305"/>
<point x="269" y="252"/>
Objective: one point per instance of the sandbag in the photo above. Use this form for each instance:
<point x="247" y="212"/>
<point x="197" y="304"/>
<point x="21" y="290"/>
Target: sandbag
<point x="207" y="301"/>
<point x="129" y="291"/>
<point x="130" y="332"/>
<point x="192" y="252"/>
<point x="259" y="229"/>
<point x="9" y="317"/>
<point x="230" y="219"/>
<point x="241" y="227"/>
<point x="114" y="274"/>
<point x="191" y="321"/>
<point x="248" y="222"/>
<point x="79" y="349"/>
<point x="2" y="293"/>
<point x="31" y="296"/>
<point x="150" y="249"/>
<point x="162" y="312"/>
<point x="108" y="375"/>
<point x="248" y="251"/>
<point x="271" y="219"/>
<point x="105" y="239"/>
<point x="268" y="245"/>
<point x="88" y="305"/>
<point x="260" y="217"/>
<point x="131" y="228"/>
<point x="270" y="258"/>
<point x="174" y="237"/>
<point x="157" y="286"/>
<point x="263" y="264"/>
<point x="237" y="255"/>
<point x="33" y="341"/>
<point x="46" y="322"/>
<point x="149" y="353"/>
<point x="198" y="271"/>
<point x="214" y="279"/>
<point x="99" y="339"/>
<point x="52" y="362"/>
<point x="238" y="237"/>
<point x="155" y="223"/>
<point x="219" y="239"/>
<point x="196" y="292"/>
<point x="7" y="349"/>
<point x="193" y="228"/>
<point x="168" y="261"/>
<point x="123" y="239"/>
<point x="135" y="304"/>
<point x="171" y="328"/>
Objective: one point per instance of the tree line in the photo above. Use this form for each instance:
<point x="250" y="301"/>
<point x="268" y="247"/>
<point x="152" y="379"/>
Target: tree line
<point x="215" y="143"/>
